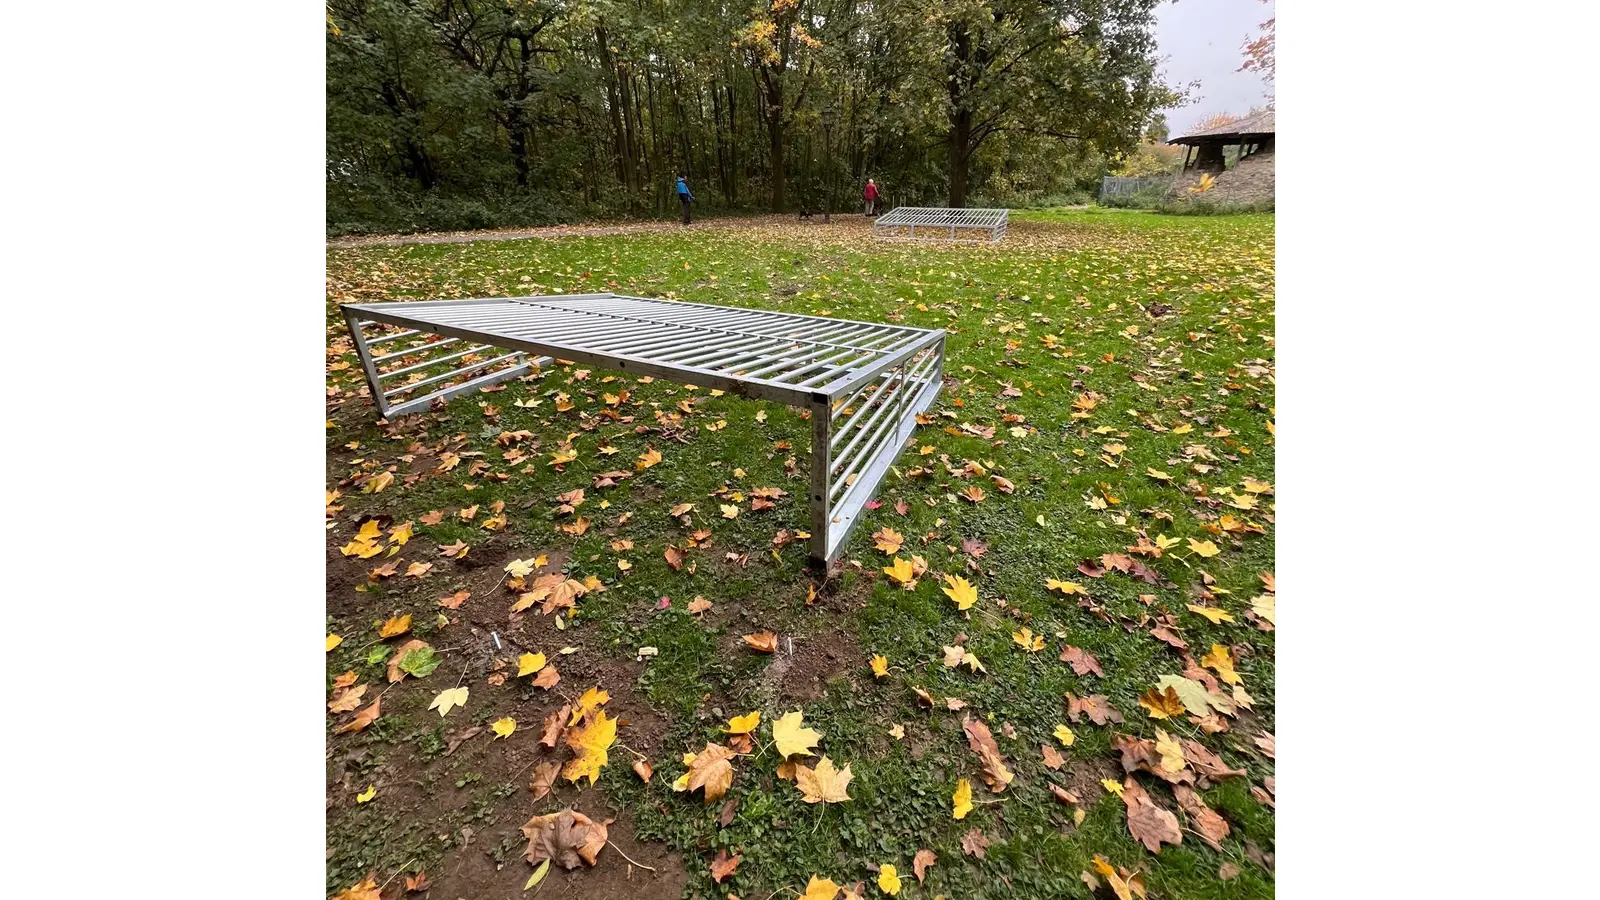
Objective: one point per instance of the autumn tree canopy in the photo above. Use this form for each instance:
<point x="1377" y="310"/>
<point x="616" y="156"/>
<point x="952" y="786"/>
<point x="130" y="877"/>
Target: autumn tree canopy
<point x="464" y="113"/>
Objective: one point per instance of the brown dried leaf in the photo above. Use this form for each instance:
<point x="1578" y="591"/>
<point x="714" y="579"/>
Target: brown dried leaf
<point x="1096" y="707"/>
<point x="974" y="843"/>
<point x="566" y="838"/>
<point x="995" y="773"/>
<point x="921" y="862"/>
<point x="544" y="778"/>
<point x="554" y="724"/>
<point x="1081" y="661"/>
<point x="1148" y="823"/>
<point x="724" y="865"/>
<point x="1205" y="821"/>
<point x="712" y="771"/>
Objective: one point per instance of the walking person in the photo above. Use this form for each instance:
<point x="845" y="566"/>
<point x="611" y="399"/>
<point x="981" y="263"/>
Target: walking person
<point x="684" y="197"/>
<point x="872" y="197"/>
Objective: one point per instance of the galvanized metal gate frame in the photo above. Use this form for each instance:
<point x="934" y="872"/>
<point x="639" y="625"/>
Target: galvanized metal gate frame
<point x="863" y="382"/>
<point x="930" y="217"/>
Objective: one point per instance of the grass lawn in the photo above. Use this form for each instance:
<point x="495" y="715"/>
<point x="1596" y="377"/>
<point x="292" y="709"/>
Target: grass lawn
<point x="1109" y="388"/>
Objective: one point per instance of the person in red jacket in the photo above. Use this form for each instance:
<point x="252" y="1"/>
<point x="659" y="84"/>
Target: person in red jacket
<point x="872" y="197"/>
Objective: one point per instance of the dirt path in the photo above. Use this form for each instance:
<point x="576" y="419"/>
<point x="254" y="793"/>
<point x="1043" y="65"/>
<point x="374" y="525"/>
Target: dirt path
<point x="546" y="233"/>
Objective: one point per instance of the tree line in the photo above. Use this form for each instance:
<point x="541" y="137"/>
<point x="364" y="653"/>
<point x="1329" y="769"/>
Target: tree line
<point x="472" y="113"/>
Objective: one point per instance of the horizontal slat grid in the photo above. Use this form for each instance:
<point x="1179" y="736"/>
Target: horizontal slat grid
<point x="786" y="351"/>
<point x="958" y="218"/>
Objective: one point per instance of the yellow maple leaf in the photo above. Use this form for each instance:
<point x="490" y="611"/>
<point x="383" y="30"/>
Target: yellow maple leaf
<point x="1171" y="752"/>
<point x="792" y="737"/>
<point x="334" y="640"/>
<point x="1166" y="543"/>
<point x="1067" y="588"/>
<point x="1221" y="660"/>
<point x="1217" y="616"/>
<point x="710" y="770"/>
<point x="901" y="572"/>
<point x="820" y="889"/>
<point x="1027" y="640"/>
<point x="960" y="590"/>
<point x="824" y="784"/>
<point x="592" y="699"/>
<point x="1203" y="548"/>
<point x="744" y="724"/>
<point x="1113" y="787"/>
<point x="591" y="741"/>
<point x="504" y="727"/>
<point x="648" y="458"/>
<point x="888" y="540"/>
<point x="729" y="511"/>
<point x="880" y="666"/>
<point x="563" y="456"/>
<point x="449" y="699"/>
<point x="888" y="879"/>
<point x="961" y="801"/>
<point x="529" y="663"/>
<point x="1162" y="704"/>
<point x="368" y="794"/>
<point x="395" y="625"/>
<point x="1065" y="735"/>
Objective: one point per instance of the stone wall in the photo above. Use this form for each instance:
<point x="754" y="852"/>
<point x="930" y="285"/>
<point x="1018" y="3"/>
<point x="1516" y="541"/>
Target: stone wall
<point x="1251" y="181"/>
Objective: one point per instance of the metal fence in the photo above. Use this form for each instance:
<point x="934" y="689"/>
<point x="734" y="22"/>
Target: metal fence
<point x="1117" y="187"/>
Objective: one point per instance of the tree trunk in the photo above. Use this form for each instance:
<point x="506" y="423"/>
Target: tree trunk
<point x="960" y="134"/>
<point x="775" y="129"/>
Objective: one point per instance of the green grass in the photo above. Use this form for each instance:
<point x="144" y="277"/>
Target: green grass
<point x="1084" y="276"/>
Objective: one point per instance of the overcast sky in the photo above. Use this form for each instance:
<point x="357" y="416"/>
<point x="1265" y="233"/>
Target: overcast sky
<point x="1200" y="40"/>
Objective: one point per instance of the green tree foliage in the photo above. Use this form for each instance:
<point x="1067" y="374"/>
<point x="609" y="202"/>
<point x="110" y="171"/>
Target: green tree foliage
<point x="472" y="113"/>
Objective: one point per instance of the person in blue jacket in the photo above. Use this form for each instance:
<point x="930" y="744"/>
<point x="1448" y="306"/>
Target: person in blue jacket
<point x="684" y="197"/>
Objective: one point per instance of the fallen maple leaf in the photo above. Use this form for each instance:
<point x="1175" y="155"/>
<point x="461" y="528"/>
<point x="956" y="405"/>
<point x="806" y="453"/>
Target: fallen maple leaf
<point x="712" y="771"/>
<point x="724" y="865"/>
<point x="960" y="591"/>
<point x="591" y="742"/>
<point x="1205" y="821"/>
<point x="975" y="843"/>
<point x="921" y="862"/>
<point x="902" y="572"/>
<point x="1082" y="661"/>
<point x="334" y="640"/>
<point x="643" y="769"/>
<point x="347" y="700"/>
<point x="1163" y="704"/>
<point x="544" y="779"/>
<point x="888" y="879"/>
<point x="792" y="737"/>
<point x="566" y="837"/>
<point x="820" y="889"/>
<point x="503" y="727"/>
<point x="880" y="666"/>
<point x="888" y="540"/>
<point x="1064" y="735"/>
<point x="995" y="773"/>
<point x="529" y="663"/>
<point x="449" y="699"/>
<point x="961" y="801"/>
<point x="824" y="784"/>
<point x="762" y="641"/>
<point x="1027" y="640"/>
<point x="366" y="889"/>
<point x="1148" y="823"/>
<point x="1067" y="588"/>
<point x="1221" y="660"/>
<point x="1053" y="760"/>
<point x="362" y="719"/>
<point x="744" y="724"/>
<point x="1125" y="885"/>
<point x="396" y="625"/>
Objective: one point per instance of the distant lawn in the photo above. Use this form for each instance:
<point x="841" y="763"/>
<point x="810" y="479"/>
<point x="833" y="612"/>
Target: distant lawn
<point x="1124" y="362"/>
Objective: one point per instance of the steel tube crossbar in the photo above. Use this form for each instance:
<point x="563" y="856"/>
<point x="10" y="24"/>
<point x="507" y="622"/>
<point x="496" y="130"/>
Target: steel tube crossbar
<point x="929" y="217"/>
<point x="863" y="382"/>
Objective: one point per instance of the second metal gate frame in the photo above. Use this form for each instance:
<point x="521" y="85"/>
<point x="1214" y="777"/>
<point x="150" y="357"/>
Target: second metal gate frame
<point x="863" y="383"/>
<point x="938" y="217"/>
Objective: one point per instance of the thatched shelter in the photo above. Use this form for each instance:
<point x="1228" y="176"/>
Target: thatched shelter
<point x="1252" y="134"/>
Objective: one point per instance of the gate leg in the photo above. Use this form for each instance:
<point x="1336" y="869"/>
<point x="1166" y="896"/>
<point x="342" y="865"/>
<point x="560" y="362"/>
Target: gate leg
<point x="821" y="463"/>
<point x="353" y="322"/>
